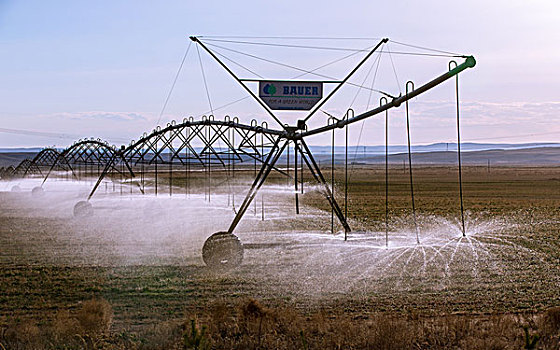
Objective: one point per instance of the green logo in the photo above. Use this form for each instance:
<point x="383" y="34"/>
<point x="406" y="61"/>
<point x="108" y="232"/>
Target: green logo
<point x="269" y="89"/>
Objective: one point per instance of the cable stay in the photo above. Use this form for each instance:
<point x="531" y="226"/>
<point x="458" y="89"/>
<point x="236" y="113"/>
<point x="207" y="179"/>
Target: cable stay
<point x="378" y="61"/>
<point x="204" y="79"/>
<point x="437" y="53"/>
<point x="286" y="37"/>
<point x="174" y="82"/>
<point x="304" y="71"/>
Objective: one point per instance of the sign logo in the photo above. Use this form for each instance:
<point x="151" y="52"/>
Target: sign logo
<point x="269" y="89"/>
<point x="290" y="95"/>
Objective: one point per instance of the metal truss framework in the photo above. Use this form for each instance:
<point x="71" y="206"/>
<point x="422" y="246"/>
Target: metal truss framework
<point x="36" y="166"/>
<point x="207" y="144"/>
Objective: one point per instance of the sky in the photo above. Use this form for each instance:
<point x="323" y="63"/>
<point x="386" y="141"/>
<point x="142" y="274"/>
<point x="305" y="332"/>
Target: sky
<point x="103" y="69"/>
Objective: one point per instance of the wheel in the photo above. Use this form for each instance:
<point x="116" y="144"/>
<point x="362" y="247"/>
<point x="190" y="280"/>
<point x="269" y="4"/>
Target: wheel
<point x="222" y="250"/>
<point x="37" y="191"/>
<point x="83" y="209"/>
<point x="16" y="188"/>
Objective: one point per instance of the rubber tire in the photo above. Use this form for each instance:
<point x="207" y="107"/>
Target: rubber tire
<point x="83" y="209"/>
<point x="37" y="191"/>
<point x="222" y="251"/>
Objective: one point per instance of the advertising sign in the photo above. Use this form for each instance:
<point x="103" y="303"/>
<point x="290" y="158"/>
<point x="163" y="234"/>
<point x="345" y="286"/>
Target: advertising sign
<point x="290" y="95"/>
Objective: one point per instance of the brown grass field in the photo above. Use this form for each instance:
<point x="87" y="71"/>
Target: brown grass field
<point x="132" y="277"/>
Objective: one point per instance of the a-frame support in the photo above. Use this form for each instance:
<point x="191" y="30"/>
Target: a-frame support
<point x="267" y="167"/>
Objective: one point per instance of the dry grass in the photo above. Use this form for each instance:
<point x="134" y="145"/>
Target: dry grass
<point x="94" y="317"/>
<point x="249" y="324"/>
<point x="88" y="326"/>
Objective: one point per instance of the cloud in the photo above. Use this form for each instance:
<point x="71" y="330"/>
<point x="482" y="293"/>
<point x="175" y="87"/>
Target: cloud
<point x="101" y="116"/>
<point x="484" y="114"/>
<point x="435" y="121"/>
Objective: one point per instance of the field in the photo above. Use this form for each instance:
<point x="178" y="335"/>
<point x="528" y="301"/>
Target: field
<point x="132" y="275"/>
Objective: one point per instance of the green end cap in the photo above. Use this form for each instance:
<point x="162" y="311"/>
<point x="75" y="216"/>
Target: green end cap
<point x="470" y="62"/>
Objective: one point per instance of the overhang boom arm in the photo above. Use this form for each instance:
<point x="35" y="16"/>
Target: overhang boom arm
<point x="469" y="63"/>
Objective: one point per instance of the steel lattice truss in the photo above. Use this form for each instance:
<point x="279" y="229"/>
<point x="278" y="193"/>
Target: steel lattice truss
<point x="36" y="166"/>
<point x="204" y="143"/>
<point x="197" y="144"/>
<point x="212" y="144"/>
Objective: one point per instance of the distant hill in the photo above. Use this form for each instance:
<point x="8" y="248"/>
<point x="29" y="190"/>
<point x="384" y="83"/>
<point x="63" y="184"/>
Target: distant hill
<point x="473" y="154"/>
<point x="7" y="159"/>
<point x="20" y="150"/>
<point x="549" y="156"/>
<point x="527" y="156"/>
<point x="380" y="149"/>
<point x="434" y="147"/>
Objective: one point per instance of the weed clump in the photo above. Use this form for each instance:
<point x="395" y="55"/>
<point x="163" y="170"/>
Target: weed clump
<point x="194" y="338"/>
<point x="553" y="318"/>
<point x="95" y="317"/>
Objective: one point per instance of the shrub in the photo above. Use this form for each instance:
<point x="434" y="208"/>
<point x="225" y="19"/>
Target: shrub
<point x="95" y="316"/>
<point x="553" y="318"/>
<point x="194" y="338"/>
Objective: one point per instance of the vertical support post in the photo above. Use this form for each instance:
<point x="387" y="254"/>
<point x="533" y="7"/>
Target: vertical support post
<point x="156" y="175"/>
<point x="410" y="163"/>
<point x="346" y="179"/>
<point x="186" y="164"/>
<point x="208" y="160"/>
<point x="288" y="164"/>
<point x="130" y="184"/>
<point x="205" y="157"/>
<point x="233" y="170"/>
<point x="122" y="177"/>
<point x="332" y="177"/>
<point x="228" y="169"/>
<point x="262" y="195"/>
<point x="296" y="174"/>
<point x="459" y="148"/>
<point x="142" y="177"/>
<point x="113" y="175"/>
<point x="383" y="101"/>
<point x="170" y="176"/>
<point x="255" y="167"/>
<point x="301" y="172"/>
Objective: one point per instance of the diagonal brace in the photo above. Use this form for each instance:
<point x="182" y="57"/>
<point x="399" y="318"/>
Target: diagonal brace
<point x="316" y="172"/>
<point x="265" y="170"/>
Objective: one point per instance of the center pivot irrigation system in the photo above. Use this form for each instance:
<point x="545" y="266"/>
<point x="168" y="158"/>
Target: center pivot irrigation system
<point x="224" y="144"/>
